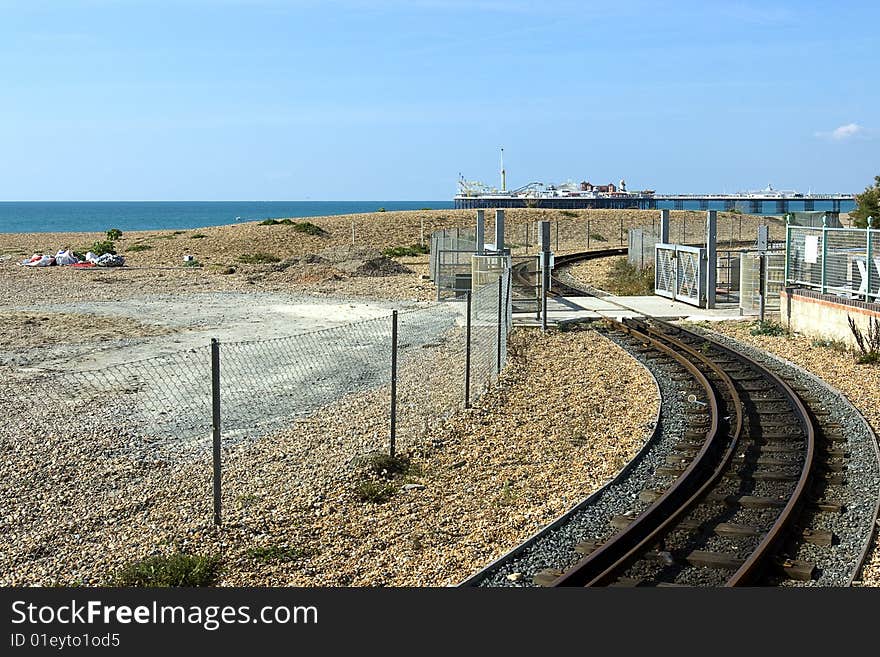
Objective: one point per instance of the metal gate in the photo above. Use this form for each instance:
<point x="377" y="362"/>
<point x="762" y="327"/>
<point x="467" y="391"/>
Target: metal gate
<point x="680" y="273"/>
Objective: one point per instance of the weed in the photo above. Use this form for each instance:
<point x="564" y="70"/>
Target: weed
<point x="177" y="569"/>
<point x="134" y="248"/>
<point x="178" y="232"/>
<point x="279" y="553"/>
<point x="771" y="329"/>
<point x="386" y="466"/>
<point x="867" y="342"/>
<point x="193" y="264"/>
<point x="248" y="499"/>
<point x="568" y="213"/>
<point x="626" y="279"/>
<point x="197" y="236"/>
<point x="834" y="345"/>
<point x="114" y="234"/>
<point x="426" y="208"/>
<point x="596" y="237"/>
<point x="381" y="210"/>
<point x="376" y="492"/>
<point x="404" y="251"/>
<point x="258" y="258"/>
<point x="508" y="495"/>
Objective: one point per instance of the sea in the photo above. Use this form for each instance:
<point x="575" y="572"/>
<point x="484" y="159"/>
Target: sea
<point x="99" y="216"/>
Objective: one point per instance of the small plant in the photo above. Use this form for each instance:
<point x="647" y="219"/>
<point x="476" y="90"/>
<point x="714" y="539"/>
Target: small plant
<point x="405" y="251"/>
<point x="508" y="495"/>
<point x="279" y="553"/>
<point x="833" y="345"/>
<point x="197" y="236"/>
<point x="193" y="264"/>
<point x="596" y="237"/>
<point x="178" y="232"/>
<point x="101" y="247"/>
<point x="134" y="248"/>
<point x="258" y="258"/>
<point x="114" y="234"/>
<point x="177" y="569"/>
<point x="868" y="343"/>
<point x="381" y="210"/>
<point x="375" y="492"/>
<point x="426" y="208"/>
<point x="568" y="213"/>
<point x="770" y="329"/>
<point x="388" y="467"/>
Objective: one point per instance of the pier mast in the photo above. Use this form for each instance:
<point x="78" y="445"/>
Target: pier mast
<point x="503" y="173"/>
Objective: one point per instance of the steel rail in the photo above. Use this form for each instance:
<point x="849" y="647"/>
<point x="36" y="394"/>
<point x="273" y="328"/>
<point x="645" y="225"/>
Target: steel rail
<point x="760" y="556"/>
<point x="609" y="554"/>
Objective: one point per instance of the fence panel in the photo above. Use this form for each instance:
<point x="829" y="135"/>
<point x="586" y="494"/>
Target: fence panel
<point x="841" y="261"/>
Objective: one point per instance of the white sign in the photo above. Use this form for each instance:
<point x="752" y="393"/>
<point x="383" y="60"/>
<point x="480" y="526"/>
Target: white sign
<point x="811" y="248"/>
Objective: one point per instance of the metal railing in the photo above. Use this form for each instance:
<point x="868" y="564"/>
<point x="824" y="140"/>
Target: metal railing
<point x="841" y="261"/>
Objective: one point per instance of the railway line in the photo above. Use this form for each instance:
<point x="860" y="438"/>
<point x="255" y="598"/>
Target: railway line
<point x="755" y="469"/>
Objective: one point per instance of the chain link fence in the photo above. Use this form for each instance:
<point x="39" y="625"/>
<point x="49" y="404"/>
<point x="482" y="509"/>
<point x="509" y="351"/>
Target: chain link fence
<point x="300" y="408"/>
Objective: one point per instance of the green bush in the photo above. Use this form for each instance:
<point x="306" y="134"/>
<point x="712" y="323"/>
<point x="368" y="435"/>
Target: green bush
<point x="177" y="569"/>
<point x="772" y="329"/>
<point x="134" y="248"/>
<point x="193" y="264"/>
<point x="299" y="226"/>
<point x="258" y="258"/>
<point x="103" y="246"/>
<point x="114" y="234"/>
<point x="597" y="237"/>
<point x="381" y="210"/>
<point x="402" y="251"/>
<point x="197" y="236"/>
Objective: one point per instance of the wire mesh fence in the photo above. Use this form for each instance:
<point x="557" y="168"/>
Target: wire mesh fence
<point x="840" y="261"/>
<point x="300" y="409"/>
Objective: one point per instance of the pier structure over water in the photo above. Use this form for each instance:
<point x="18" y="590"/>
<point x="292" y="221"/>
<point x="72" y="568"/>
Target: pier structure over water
<point x="750" y="203"/>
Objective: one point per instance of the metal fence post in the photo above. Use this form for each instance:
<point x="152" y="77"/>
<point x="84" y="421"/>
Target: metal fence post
<point x="557" y="234"/>
<point x="869" y="260"/>
<point x="787" y="249"/>
<point x="467" y="355"/>
<point x="588" y="234"/>
<point x="393" y="381"/>
<point x="498" y="355"/>
<point x="824" y="280"/>
<point x="215" y="422"/>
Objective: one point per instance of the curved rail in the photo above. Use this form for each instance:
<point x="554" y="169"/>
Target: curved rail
<point x="621" y="549"/>
<point x="618" y="558"/>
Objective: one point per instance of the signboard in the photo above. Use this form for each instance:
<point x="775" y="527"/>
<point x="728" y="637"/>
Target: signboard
<point x="811" y="248"/>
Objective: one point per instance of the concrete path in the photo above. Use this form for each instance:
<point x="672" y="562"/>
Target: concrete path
<point x="573" y="308"/>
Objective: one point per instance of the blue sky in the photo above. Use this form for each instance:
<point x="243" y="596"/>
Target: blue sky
<point x="385" y="99"/>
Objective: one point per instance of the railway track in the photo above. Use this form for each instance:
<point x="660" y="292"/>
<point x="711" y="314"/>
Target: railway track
<point x="734" y="491"/>
<point x="748" y="481"/>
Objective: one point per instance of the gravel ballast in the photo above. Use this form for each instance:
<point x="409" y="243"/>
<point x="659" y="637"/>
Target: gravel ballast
<point x="555" y="549"/>
<point x="803" y="362"/>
